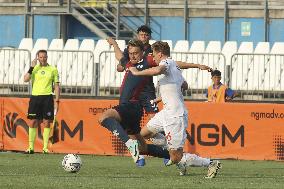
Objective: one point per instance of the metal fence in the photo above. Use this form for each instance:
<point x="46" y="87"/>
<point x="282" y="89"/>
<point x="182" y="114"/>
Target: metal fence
<point x="77" y="71"/>
<point x="258" y="76"/>
<point x="13" y="62"/>
<point x="198" y="80"/>
<point x="83" y="73"/>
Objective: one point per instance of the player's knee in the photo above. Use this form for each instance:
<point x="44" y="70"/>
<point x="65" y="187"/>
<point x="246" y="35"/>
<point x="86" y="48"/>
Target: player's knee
<point x="110" y="113"/>
<point x="34" y="123"/>
<point x="175" y="159"/>
<point x="176" y="156"/>
<point x="101" y="119"/>
<point x="143" y="149"/>
<point x="46" y="123"/>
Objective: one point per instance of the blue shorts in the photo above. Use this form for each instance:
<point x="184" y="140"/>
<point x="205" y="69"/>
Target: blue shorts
<point x="131" y="115"/>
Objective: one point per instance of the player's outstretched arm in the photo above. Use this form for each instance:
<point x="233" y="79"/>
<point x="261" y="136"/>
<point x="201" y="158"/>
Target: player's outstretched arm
<point x="184" y="65"/>
<point x="148" y="72"/>
<point x="117" y="51"/>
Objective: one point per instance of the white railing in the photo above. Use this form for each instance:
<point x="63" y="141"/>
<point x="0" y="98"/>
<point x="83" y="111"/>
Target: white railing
<point x="85" y="73"/>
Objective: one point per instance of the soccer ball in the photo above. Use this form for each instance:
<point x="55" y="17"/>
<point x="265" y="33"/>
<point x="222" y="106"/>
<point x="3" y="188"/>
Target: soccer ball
<point x="71" y="163"/>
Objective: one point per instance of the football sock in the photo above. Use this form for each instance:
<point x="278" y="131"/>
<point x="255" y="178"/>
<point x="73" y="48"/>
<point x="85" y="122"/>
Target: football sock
<point x="194" y="160"/>
<point x="45" y="138"/>
<point x="114" y="126"/>
<point x="158" y="151"/>
<point x="32" y="136"/>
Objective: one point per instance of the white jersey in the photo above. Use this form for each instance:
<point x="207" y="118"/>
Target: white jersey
<point x="170" y="89"/>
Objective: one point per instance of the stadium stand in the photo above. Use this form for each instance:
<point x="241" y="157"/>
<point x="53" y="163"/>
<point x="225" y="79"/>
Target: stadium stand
<point x="56" y="44"/>
<point x="110" y="79"/>
<point x="197" y="46"/>
<point x="277" y="48"/>
<point x="15" y="61"/>
<point x="215" y="60"/>
<point x="195" y="56"/>
<point x="181" y="46"/>
<point x="85" y="66"/>
<point x="87" y="45"/>
<point x="55" y="51"/>
<point x="170" y="43"/>
<point x="178" y="52"/>
<point x="241" y="65"/>
<point x="152" y="41"/>
<point x="262" y="48"/>
<point x="26" y="43"/>
<point x="39" y="44"/>
<point x="229" y="48"/>
<point x="69" y="62"/>
<point x="102" y="45"/>
<point x="276" y="67"/>
<point x="252" y="70"/>
<point x="100" y="58"/>
<point x="261" y="64"/>
<point x="213" y="47"/>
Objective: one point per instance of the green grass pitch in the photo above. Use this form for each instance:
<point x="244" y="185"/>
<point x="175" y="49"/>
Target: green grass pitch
<point x="45" y="171"/>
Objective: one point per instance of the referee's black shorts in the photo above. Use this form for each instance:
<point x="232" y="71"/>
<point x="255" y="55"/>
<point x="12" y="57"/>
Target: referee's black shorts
<point x="41" y="107"/>
<point x="131" y="114"/>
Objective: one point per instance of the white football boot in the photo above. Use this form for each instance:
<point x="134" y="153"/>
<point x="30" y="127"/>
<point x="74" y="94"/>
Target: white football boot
<point x="213" y="169"/>
<point x="133" y="149"/>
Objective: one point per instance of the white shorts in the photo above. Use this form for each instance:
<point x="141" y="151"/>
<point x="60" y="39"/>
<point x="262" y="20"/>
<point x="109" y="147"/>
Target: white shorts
<point x="174" y="128"/>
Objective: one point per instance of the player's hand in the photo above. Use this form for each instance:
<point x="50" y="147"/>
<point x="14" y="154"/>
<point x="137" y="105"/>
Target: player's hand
<point x="133" y="70"/>
<point x="34" y="62"/>
<point x="204" y="67"/>
<point x="184" y="86"/>
<point x="228" y="98"/>
<point x="119" y="68"/>
<point x="111" y="41"/>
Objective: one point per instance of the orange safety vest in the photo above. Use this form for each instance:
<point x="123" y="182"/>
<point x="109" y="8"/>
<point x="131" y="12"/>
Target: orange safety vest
<point x="218" y="94"/>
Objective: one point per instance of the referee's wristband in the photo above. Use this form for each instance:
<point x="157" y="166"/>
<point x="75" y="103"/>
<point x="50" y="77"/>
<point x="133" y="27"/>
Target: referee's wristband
<point x="31" y="70"/>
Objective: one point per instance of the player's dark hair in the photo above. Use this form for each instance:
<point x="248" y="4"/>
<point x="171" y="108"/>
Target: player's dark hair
<point x="144" y="28"/>
<point x="216" y="73"/>
<point x="41" y="51"/>
<point x="162" y="47"/>
<point x="136" y="43"/>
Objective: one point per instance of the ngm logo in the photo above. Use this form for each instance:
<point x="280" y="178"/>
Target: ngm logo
<point x="12" y="122"/>
<point x="213" y="135"/>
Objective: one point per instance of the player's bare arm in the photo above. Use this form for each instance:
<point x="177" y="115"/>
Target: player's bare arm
<point x="148" y="72"/>
<point x="117" y="51"/>
<point x="184" y="65"/>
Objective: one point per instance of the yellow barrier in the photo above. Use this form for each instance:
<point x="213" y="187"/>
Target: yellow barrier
<point x="99" y="3"/>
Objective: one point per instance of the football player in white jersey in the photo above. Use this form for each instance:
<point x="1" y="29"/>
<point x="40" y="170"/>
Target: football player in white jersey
<point x="173" y="119"/>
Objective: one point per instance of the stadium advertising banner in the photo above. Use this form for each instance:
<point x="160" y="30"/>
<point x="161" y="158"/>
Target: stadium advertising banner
<point x="232" y="130"/>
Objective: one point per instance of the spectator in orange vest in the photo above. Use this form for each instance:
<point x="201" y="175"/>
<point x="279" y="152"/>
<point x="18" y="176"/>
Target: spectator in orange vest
<point x="219" y="92"/>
